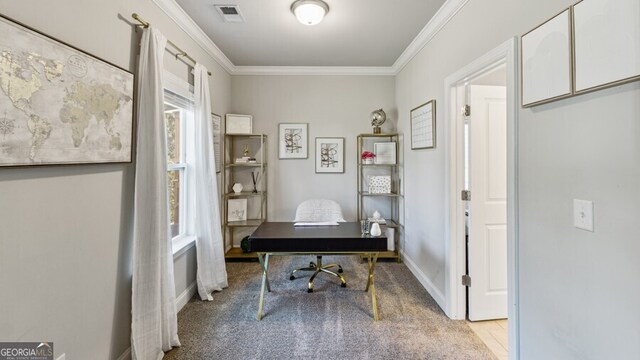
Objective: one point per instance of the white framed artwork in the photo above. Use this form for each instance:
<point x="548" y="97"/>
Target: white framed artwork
<point x="385" y="152"/>
<point x="546" y="61"/>
<point x="329" y="155"/>
<point x="237" y="210"/>
<point x="293" y="141"/>
<point x="606" y="43"/>
<point x="238" y="124"/>
<point x="423" y="126"/>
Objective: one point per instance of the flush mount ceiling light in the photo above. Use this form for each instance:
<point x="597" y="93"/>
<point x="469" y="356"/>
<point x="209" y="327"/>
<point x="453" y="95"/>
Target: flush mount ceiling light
<point x="309" y="12"/>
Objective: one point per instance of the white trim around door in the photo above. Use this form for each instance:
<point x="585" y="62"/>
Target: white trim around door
<point x="455" y="293"/>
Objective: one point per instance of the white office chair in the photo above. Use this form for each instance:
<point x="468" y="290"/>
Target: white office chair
<point x="319" y="210"/>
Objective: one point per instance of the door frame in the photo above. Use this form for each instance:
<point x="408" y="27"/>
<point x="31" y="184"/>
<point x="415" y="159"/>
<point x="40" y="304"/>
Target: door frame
<point x="455" y="292"/>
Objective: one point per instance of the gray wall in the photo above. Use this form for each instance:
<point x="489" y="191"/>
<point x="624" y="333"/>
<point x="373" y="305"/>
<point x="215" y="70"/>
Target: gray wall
<point x="334" y="106"/>
<point x="65" y="231"/>
<point x="578" y="290"/>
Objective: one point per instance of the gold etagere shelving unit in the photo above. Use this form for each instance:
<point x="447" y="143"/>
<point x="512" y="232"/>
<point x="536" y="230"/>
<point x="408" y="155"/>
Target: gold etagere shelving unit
<point x="390" y="201"/>
<point x="231" y="148"/>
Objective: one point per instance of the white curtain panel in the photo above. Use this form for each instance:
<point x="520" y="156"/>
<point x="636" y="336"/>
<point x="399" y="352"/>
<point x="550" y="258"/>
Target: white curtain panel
<point x="211" y="273"/>
<point x="154" y="327"/>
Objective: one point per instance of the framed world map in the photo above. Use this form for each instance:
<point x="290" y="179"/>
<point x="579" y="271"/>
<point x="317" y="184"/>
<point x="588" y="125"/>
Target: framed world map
<point x="59" y="104"/>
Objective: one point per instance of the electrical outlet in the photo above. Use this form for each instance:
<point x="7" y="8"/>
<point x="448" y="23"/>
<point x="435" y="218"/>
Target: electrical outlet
<point x="583" y="214"/>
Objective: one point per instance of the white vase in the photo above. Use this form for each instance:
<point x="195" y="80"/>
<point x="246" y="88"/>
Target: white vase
<point x="367" y="161"/>
<point x="237" y="188"/>
<point x="375" y="230"/>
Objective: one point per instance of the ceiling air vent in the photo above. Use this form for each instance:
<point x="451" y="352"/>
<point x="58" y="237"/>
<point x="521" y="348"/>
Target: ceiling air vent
<point x="230" y="13"/>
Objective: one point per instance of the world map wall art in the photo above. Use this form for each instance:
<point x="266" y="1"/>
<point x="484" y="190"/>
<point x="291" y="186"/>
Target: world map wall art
<point x="59" y="104"/>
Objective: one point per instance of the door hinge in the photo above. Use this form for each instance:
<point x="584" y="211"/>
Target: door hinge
<point x="466" y="280"/>
<point x="465" y="195"/>
<point x="466" y="110"/>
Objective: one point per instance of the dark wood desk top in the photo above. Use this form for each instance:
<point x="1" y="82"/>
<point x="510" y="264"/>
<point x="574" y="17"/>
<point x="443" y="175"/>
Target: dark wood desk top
<point x="284" y="237"/>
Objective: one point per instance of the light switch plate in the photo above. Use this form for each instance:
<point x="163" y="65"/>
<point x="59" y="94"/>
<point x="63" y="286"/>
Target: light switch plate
<point x="583" y="214"/>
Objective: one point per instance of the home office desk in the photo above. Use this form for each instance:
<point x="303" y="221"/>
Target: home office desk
<point x="282" y="238"/>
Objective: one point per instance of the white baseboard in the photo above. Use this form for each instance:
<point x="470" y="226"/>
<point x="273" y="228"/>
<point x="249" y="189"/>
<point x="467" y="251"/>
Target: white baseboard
<point x="425" y="281"/>
<point x="186" y="295"/>
<point x="181" y="301"/>
<point x="126" y="355"/>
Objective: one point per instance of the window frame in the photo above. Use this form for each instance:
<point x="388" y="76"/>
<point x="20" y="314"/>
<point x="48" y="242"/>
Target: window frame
<point x="185" y="168"/>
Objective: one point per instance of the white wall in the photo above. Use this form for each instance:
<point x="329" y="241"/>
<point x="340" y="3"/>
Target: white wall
<point x="334" y="106"/>
<point x="65" y="231"/>
<point x="578" y="290"/>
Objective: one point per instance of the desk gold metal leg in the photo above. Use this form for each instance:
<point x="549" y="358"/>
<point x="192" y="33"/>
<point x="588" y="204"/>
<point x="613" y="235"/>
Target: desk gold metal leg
<point x="264" y="262"/>
<point x="372" y="259"/>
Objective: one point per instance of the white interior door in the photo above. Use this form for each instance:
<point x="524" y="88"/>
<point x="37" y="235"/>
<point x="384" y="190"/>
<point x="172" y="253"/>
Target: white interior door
<point x="487" y="247"/>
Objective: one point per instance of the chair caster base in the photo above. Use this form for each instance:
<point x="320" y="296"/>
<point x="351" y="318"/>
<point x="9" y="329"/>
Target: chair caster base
<point x="340" y="271"/>
<point x="309" y="290"/>
<point x="292" y="277"/>
<point x="343" y="285"/>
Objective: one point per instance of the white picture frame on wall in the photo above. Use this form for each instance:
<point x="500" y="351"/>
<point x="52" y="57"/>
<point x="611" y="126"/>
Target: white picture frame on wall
<point x="293" y="141"/>
<point x="238" y="124"/>
<point x="546" y="61"/>
<point x="329" y="155"/>
<point x="606" y="49"/>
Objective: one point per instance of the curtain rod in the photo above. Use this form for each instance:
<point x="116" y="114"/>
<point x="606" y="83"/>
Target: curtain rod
<point x="181" y="52"/>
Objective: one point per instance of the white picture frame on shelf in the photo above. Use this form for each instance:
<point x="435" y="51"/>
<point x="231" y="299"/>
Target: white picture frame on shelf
<point x="546" y="61"/>
<point x="293" y="141"/>
<point x="606" y="49"/>
<point x="386" y="153"/>
<point x="329" y="155"/>
<point x="238" y="124"/>
<point x="236" y="210"/>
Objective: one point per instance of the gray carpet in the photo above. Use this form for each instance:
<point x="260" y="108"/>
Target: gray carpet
<point x="331" y="323"/>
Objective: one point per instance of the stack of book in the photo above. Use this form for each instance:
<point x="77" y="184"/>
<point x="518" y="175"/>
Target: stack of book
<point x="246" y="160"/>
<point x="380" y="221"/>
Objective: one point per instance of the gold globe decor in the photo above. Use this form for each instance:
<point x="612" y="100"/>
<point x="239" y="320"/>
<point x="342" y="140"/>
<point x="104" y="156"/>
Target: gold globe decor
<point x="378" y="117"/>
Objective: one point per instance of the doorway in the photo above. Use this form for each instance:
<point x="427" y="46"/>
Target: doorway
<point x="481" y="227"/>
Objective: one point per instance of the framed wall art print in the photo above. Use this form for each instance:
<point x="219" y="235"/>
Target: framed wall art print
<point x="546" y="61"/>
<point x="293" y="141"/>
<point x="329" y="155"/>
<point x="59" y="104"/>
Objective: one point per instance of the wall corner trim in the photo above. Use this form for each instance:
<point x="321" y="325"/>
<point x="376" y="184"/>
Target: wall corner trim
<point x="186" y="23"/>
<point x="446" y="12"/>
<point x="425" y="281"/>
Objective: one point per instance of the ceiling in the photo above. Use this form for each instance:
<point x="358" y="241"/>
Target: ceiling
<point x="354" y="32"/>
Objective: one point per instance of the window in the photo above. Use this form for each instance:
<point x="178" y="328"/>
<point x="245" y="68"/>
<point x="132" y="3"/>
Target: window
<point x="178" y="117"/>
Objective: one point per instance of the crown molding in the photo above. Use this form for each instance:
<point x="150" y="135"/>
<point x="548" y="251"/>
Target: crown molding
<point x="186" y="23"/>
<point x="313" y="70"/>
<point x="446" y="12"/>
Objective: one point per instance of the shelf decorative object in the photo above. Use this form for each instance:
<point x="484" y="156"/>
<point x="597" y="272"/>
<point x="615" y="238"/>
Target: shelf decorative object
<point x="237" y="188"/>
<point x="367" y="157"/>
<point x="380" y="204"/>
<point x="378" y="117"/>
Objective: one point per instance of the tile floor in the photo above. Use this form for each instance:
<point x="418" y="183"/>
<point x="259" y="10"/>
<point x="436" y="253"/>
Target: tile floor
<point x="494" y="334"/>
